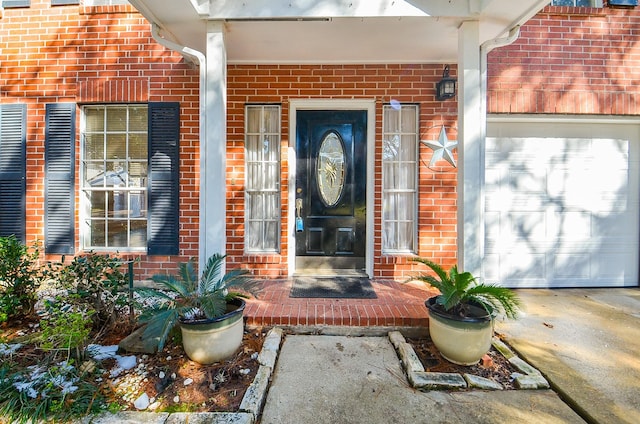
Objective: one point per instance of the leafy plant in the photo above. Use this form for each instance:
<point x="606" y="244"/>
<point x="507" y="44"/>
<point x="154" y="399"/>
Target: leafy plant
<point x="459" y="290"/>
<point x="19" y="278"/>
<point x="46" y="392"/>
<point x="189" y="297"/>
<point x="93" y="282"/>
<point x="65" y="326"/>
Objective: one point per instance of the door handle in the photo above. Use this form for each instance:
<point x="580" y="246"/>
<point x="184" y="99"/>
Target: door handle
<point x="299" y="208"/>
<point x="299" y="220"/>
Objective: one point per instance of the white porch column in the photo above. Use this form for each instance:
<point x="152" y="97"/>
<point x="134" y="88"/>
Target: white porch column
<point x="470" y="151"/>
<point x="213" y="148"/>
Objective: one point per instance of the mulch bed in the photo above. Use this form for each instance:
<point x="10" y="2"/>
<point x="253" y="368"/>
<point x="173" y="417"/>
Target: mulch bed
<point x="497" y="368"/>
<point x="218" y="387"/>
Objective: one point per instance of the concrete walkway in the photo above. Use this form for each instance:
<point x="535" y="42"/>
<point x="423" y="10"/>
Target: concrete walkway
<point x="586" y="342"/>
<point x="338" y="379"/>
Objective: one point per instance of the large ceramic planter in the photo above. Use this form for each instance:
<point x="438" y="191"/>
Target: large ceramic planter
<point x="460" y="340"/>
<point x="209" y="341"/>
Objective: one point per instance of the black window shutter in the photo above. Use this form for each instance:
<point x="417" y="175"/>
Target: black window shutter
<point x="164" y="186"/>
<point x="13" y="170"/>
<point x="59" y="186"/>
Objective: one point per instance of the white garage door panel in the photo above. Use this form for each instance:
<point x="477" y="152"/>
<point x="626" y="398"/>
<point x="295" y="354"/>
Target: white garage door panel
<point x="562" y="211"/>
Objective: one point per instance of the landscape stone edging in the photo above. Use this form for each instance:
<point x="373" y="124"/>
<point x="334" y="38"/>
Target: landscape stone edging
<point x="249" y="410"/>
<point x="530" y="378"/>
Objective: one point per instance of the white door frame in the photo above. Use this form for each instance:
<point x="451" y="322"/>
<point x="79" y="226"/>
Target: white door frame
<point x="332" y="104"/>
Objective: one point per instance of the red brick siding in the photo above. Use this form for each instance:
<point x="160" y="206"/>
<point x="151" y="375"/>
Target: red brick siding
<point x="107" y="55"/>
<point x="404" y="83"/>
<point x="96" y="54"/>
<point x="570" y="60"/>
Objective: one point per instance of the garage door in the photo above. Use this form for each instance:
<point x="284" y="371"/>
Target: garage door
<point x="561" y="203"/>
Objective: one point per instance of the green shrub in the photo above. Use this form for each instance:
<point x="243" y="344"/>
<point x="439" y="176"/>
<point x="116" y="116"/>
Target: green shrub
<point x="65" y="326"/>
<point x="19" y="278"/>
<point x="92" y="282"/>
<point x="52" y="392"/>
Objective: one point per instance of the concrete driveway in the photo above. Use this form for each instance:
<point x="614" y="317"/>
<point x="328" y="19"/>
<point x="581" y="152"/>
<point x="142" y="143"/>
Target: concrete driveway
<point x="587" y="344"/>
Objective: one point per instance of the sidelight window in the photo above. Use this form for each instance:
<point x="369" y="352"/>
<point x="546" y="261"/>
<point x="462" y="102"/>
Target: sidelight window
<point x="400" y="178"/>
<point x="262" y="163"/>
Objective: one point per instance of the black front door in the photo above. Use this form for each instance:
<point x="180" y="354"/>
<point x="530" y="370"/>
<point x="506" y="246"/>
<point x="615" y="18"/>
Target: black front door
<point x="330" y="190"/>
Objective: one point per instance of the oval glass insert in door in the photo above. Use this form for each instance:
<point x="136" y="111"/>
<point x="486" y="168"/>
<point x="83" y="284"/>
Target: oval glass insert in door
<point x="330" y="169"/>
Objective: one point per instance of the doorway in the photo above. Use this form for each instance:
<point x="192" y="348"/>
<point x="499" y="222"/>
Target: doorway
<point x="331" y="191"/>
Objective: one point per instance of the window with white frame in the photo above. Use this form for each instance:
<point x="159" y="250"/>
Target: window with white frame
<point x="576" y="3"/>
<point x="114" y="177"/>
<point x="262" y="192"/>
<point x="104" y="2"/>
<point x="400" y="178"/>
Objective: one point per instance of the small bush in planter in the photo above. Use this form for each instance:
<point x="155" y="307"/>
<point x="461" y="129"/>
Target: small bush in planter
<point x="461" y="316"/>
<point x="460" y="290"/>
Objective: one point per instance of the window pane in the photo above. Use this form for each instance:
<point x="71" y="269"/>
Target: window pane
<point x="271" y="234"/>
<point x="408" y="146"/>
<point x="98" y="202"/>
<point x="254" y="119"/>
<point x="138" y="233"/>
<point x="409" y="123"/>
<point x="271" y="147"/>
<point x="391" y="120"/>
<point x="116" y="146"/>
<point x="94" y="146"/>
<point x="117" y="231"/>
<point x="116" y="119"/>
<point x="272" y="120"/>
<point x="138" y="118"/>
<point x="138" y="146"/>
<point x="94" y="119"/>
<point x="405" y="206"/>
<point x="98" y="232"/>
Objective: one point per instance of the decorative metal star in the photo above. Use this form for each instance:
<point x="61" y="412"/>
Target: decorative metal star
<point x="442" y="148"/>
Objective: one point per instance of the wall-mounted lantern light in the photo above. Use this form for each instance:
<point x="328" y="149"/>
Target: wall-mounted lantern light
<point x="446" y="87"/>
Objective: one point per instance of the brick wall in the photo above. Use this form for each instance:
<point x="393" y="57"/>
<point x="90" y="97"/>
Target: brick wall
<point x="107" y="55"/>
<point x="99" y="54"/>
<point x="570" y="60"/>
<point x="404" y="83"/>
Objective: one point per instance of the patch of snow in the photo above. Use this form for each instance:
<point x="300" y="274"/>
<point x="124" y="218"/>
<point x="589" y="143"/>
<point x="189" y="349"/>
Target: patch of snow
<point x="9" y="349"/>
<point x="142" y="402"/>
<point x="126" y="362"/>
<point x="123" y="363"/>
<point x="100" y="353"/>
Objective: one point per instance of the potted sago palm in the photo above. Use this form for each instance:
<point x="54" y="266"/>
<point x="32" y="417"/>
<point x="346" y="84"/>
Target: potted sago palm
<point x="461" y="316"/>
<point x="208" y="312"/>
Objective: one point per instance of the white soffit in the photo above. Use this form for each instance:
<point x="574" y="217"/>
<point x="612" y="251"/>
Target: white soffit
<point x="336" y="31"/>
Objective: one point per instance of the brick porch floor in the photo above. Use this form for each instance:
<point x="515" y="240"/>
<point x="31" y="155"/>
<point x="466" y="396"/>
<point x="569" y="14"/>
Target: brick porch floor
<point x="397" y="305"/>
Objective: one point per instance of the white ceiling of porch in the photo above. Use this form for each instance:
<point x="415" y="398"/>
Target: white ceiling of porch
<point x="336" y="31"/>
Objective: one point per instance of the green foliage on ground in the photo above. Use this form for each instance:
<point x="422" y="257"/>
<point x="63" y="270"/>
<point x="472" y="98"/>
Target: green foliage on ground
<point x="19" y="278"/>
<point x="78" y="300"/>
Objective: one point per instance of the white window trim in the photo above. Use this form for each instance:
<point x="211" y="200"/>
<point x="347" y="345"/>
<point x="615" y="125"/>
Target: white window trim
<point x="104" y="2"/>
<point x="262" y="133"/>
<point x="594" y="3"/>
<point x="414" y="249"/>
<point x="85" y="243"/>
